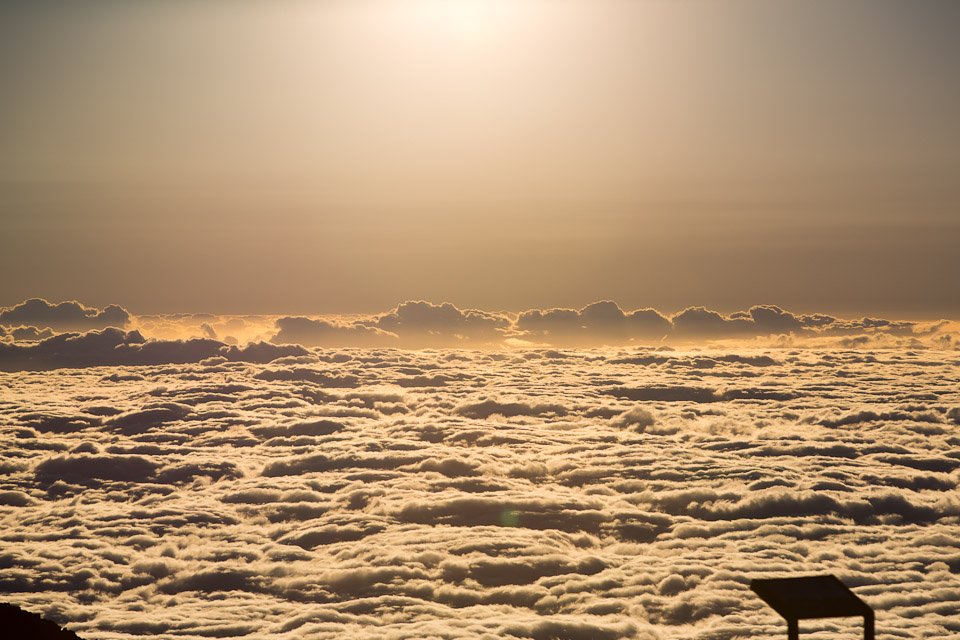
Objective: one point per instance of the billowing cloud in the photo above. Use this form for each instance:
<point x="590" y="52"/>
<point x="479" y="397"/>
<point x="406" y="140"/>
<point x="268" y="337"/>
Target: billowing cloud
<point x="599" y="322"/>
<point x="760" y="320"/>
<point x="420" y="324"/>
<point x="426" y="324"/>
<point x="321" y="333"/>
<point x="63" y="316"/>
<point x="772" y="319"/>
<point x="113" y="347"/>
<point x="701" y="322"/>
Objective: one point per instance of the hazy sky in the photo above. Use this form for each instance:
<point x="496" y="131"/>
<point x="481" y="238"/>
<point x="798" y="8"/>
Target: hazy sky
<point x="343" y="156"/>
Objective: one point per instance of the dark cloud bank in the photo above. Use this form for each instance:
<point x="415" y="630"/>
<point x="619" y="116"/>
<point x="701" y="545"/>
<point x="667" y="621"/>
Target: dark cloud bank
<point x="114" y="347"/>
<point x="29" y="338"/>
<point x="423" y="324"/>
<point x="64" y="316"/>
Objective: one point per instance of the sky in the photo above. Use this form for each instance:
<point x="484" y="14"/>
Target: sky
<point x="340" y="157"/>
<point x="478" y="318"/>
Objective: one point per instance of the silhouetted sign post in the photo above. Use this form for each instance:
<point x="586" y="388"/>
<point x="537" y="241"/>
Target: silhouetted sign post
<point x="812" y="597"/>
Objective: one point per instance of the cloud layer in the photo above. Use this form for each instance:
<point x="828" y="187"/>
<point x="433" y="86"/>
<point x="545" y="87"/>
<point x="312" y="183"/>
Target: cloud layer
<point x="528" y="493"/>
<point x="420" y="324"/>
<point x="424" y="324"/>
<point x="64" y="316"/>
<point x="113" y="347"/>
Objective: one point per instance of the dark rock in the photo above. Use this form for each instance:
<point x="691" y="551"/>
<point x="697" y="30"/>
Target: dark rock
<point x="22" y="624"/>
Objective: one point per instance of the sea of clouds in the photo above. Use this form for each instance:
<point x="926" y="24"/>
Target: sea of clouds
<point x="167" y="485"/>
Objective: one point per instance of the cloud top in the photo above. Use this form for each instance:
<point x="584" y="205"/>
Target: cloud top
<point x="602" y="321"/>
<point x="114" y="347"/>
<point x="63" y="316"/>
<point x="418" y="322"/>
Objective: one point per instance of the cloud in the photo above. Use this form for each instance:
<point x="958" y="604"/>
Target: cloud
<point x="571" y="629"/>
<point x="700" y="322"/>
<point x="769" y="319"/>
<point x="637" y="419"/>
<point x="309" y="428"/>
<point x="187" y="472"/>
<point x="836" y="326"/>
<point x="420" y="323"/>
<point x="15" y="499"/>
<point x="760" y="320"/>
<point x="151" y="416"/>
<point x="87" y="468"/>
<point x="529" y="513"/>
<point x="321" y="333"/>
<point x="322" y="462"/>
<point x="487" y="408"/>
<point x="866" y="510"/>
<point x="320" y="378"/>
<point x="64" y="316"/>
<point x="599" y="322"/>
<point x="214" y="580"/>
<point x="665" y="393"/>
<point x="422" y="381"/>
<point x="113" y="347"/>
<point x="866" y="415"/>
<point x="259" y="352"/>
<point x="28" y="334"/>
<point x="59" y="423"/>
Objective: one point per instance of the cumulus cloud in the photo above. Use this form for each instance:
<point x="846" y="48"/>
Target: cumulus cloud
<point x="487" y="408"/>
<point x="760" y="320"/>
<point x="599" y="322"/>
<point x="321" y="333"/>
<point x="113" y="347"/>
<point x="701" y="322"/>
<point x="28" y="334"/>
<point x="63" y="316"/>
<point x="420" y="323"/>
<point x="772" y="319"/>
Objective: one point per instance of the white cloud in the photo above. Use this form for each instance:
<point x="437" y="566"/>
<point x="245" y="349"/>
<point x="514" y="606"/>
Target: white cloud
<point x="611" y="493"/>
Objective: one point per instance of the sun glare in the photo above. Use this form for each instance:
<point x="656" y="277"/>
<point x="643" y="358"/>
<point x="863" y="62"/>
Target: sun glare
<point x="463" y="21"/>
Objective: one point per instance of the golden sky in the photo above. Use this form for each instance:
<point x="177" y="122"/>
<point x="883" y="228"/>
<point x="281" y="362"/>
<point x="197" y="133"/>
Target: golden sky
<point x="325" y="157"/>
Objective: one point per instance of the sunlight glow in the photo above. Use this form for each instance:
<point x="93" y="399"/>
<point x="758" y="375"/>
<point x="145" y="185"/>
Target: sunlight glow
<point x="466" y="22"/>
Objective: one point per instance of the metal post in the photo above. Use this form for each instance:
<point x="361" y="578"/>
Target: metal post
<point x="868" y="630"/>
<point x="793" y="630"/>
